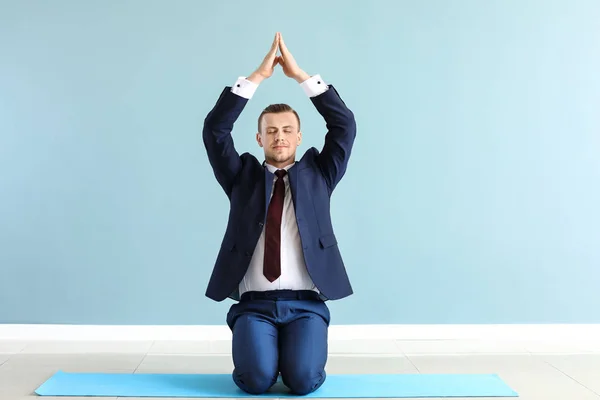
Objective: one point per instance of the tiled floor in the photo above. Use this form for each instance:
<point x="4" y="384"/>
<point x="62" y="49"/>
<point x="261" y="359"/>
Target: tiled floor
<point x="546" y="374"/>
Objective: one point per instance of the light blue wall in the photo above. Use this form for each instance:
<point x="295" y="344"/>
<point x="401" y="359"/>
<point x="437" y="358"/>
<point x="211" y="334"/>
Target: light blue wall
<point x="473" y="194"/>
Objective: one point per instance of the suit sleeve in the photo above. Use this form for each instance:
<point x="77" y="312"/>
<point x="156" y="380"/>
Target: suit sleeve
<point x="216" y="134"/>
<point x="341" y="132"/>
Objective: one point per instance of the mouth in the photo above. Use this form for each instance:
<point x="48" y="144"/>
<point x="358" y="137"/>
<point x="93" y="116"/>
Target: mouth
<point x="280" y="147"/>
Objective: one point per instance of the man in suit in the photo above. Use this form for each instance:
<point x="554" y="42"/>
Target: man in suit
<point x="279" y="257"/>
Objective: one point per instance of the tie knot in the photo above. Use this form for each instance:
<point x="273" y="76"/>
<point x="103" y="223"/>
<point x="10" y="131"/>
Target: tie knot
<point x="280" y="173"/>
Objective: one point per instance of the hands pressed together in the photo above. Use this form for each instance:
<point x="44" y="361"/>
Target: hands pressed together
<point x="286" y="60"/>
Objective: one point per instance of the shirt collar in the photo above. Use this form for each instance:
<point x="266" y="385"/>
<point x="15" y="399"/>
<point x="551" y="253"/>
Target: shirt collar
<point x="272" y="169"/>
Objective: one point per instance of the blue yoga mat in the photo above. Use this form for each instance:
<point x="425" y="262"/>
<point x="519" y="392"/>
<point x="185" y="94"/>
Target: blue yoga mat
<point x="212" y="385"/>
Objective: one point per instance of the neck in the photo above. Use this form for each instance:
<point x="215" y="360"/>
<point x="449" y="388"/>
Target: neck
<point x="282" y="164"/>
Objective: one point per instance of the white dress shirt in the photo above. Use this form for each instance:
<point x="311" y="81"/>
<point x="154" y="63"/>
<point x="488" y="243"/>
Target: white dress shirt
<point x="294" y="274"/>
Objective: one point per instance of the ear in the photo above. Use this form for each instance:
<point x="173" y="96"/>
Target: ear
<point x="299" y="137"/>
<point x="259" y="139"/>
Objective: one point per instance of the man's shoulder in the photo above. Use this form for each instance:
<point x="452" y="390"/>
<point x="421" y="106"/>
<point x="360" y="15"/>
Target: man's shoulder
<point x="249" y="160"/>
<point x="309" y="157"/>
<point x="251" y="168"/>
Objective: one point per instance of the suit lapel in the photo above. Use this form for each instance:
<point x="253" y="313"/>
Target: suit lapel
<point x="268" y="188"/>
<point x="293" y="177"/>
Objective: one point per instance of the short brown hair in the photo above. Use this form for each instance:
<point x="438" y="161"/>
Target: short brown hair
<point x="275" y="109"/>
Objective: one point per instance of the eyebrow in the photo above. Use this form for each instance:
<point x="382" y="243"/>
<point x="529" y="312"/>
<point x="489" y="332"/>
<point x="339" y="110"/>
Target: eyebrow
<point x="274" y="127"/>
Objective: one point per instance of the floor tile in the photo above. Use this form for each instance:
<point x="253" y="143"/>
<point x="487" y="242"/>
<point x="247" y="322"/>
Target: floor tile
<point x="4" y="358"/>
<point x="414" y="347"/>
<point x="551" y="347"/>
<point x="14" y="384"/>
<point x="79" y="347"/>
<point x="338" y="364"/>
<point x="477" y="363"/>
<point x="11" y="346"/>
<point x="191" y="364"/>
<point x="363" y="347"/>
<point x="180" y="347"/>
<point x="584" y="368"/>
<point x="72" y="362"/>
<point x="220" y="346"/>
<point x="573" y="361"/>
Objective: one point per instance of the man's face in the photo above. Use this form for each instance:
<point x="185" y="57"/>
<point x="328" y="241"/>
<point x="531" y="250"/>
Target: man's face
<point x="279" y="137"/>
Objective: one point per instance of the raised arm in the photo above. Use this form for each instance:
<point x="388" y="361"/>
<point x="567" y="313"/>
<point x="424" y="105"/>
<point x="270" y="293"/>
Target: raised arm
<point x="218" y="124"/>
<point x="341" y="125"/>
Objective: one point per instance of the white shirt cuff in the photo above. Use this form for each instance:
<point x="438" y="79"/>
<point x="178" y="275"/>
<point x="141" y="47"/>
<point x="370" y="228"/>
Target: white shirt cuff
<point x="314" y="86"/>
<point x="244" y="88"/>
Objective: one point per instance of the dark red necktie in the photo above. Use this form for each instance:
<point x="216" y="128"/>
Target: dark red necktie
<point x="272" y="262"/>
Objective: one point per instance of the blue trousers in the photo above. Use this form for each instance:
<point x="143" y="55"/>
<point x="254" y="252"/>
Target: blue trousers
<point x="280" y="332"/>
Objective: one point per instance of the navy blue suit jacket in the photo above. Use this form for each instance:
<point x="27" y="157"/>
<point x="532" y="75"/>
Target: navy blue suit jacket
<point x="248" y="183"/>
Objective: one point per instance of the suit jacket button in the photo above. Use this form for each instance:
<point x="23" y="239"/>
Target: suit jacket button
<point x="260" y="224"/>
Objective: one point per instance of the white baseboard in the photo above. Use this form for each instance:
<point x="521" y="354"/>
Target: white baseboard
<point x="555" y="333"/>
